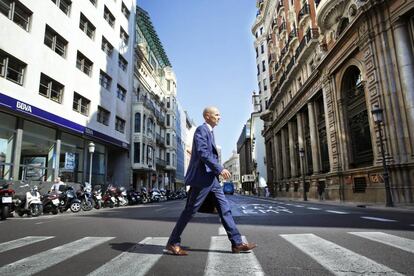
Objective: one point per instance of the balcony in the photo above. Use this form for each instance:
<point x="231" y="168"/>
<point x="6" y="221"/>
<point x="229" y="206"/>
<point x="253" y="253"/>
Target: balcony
<point x="274" y="24"/>
<point x="282" y="27"/>
<point x="161" y="163"/>
<point x="305" y="11"/>
<point x="280" y="8"/>
<point x="310" y="34"/>
<point x="272" y="79"/>
<point x="160" y="140"/>
<point x="284" y="51"/>
<point x="292" y="35"/>
<point x="290" y="65"/>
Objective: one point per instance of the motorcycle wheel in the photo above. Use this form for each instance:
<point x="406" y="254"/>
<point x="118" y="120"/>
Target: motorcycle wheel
<point x="144" y="200"/>
<point x="35" y="210"/>
<point x="87" y="205"/>
<point x="4" y="212"/>
<point x="75" y="207"/>
<point x="55" y="211"/>
<point x="98" y="205"/>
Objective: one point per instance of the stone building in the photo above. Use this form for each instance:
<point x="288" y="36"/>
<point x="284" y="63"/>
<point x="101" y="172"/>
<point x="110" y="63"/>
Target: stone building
<point x="331" y="63"/>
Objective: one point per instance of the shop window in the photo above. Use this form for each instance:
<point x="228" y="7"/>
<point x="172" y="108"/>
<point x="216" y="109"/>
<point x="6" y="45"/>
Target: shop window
<point x="86" y="26"/>
<point x="122" y="63"/>
<point x="55" y="41"/>
<point x="50" y="88"/>
<point x="71" y="159"/>
<point x="103" y="116"/>
<point x="16" y="12"/>
<point x="125" y="10"/>
<point x="121" y="93"/>
<point x="64" y="5"/>
<point x="137" y="122"/>
<point x="107" y="47"/>
<point x="119" y="124"/>
<point x="109" y="17"/>
<point x="11" y="68"/>
<point x="84" y="64"/>
<point x="81" y="104"/>
<point x="105" y="80"/>
<point x="7" y="134"/>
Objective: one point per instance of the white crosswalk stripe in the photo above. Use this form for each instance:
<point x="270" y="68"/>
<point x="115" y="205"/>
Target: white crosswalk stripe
<point x="337" y="259"/>
<point x="5" y="246"/>
<point x="337" y="212"/>
<point x="136" y="261"/>
<point x="221" y="261"/>
<point x="41" y="261"/>
<point x="379" y="219"/>
<point x="222" y="231"/>
<point x="391" y="240"/>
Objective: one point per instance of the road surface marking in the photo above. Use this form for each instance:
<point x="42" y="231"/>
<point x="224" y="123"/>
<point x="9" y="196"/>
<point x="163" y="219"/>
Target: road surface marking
<point x="335" y="258"/>
<point x="221" y="261"/>
<point x="391" y="240"/>
<point x="379" y="219"/>
<point x="337" y="212"/>
<point x="33" y="264"/>
<point x="138" y="260"/>
<point x="313" y="208"/>
<point x="22" y="242"/>
<point x="222" y="231"/>
<point x="300" y="206"/>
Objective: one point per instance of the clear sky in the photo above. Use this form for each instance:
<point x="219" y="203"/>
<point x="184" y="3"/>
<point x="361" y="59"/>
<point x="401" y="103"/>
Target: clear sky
<point x="210" y="46"/>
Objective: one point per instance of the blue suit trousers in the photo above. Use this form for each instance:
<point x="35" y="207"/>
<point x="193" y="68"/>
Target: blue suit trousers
<point x="196" y="198"/>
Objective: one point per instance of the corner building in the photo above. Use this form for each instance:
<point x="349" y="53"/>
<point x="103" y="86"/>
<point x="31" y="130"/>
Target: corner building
<point x="332" y="62"/>
<point x="65" y="81"/>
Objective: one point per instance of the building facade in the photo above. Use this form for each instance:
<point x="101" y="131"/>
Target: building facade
<point x="154" y="109"/>
<point x="65" y="81"/>
<point x="332" y="63"/>
<point x="244" y="149"/>
<point x="233" y="166"/>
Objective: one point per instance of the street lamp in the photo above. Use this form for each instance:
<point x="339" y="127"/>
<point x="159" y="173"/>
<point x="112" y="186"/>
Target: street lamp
<point x="377" y="114"/>
<point x="302" y="157"/>
<point x="91" y="148"/>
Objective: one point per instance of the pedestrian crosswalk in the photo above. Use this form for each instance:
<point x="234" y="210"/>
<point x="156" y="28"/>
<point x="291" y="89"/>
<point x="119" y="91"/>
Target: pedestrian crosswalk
<point x="144" y="256"/>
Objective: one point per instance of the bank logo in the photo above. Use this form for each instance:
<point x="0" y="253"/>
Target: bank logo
<point x="23" y="106"/>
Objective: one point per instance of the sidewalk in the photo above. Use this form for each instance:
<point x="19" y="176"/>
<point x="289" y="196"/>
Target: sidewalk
<point x="368" y="205"/>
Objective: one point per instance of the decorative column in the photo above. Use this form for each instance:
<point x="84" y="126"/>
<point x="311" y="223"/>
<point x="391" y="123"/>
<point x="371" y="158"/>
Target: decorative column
<point x="17" y="149"/>
<point x="292" y="150"/>
<point x="284" y="154"/>
<point x="57" y="154"/>
<point x="301" y="139"/>
<point x="278" y="158"/>
<point x="314" y="138"/>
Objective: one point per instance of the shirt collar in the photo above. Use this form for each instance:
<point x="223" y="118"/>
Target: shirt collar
<point x="209" y="127"/>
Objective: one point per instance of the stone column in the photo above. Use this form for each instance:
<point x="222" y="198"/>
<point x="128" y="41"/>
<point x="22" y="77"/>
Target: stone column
<point x="57" y="154"/>
<point x="405" y="58"/>
<point x="278" y="158"/>
<point x="17" y="149"/>
<point x="285" y="158"/>
<point x="292" y="150"/>
<point x="301" y="139"/>
<point x="314" y="138"/>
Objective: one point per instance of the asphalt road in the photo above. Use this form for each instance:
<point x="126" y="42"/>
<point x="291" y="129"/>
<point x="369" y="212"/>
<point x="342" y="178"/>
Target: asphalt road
<point x="294" y="238"/>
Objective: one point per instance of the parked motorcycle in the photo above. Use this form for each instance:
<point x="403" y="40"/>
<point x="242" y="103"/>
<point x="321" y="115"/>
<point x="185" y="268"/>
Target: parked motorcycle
<point x="155" y="195"/>
<point x="109" y="197"/>
<point x="144" y="195"/>
<point x="121" y="196"/>
<point x="84" y="194"/>
<point x="6" y="200"/>
<point x="51" y="203"/>
<point x="133" y="197"/>
<point x="68" y="200"/>
<point x="97" y="196"/>
<point x="29" y="204"/>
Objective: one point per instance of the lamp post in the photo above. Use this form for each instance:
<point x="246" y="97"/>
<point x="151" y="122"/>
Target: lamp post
<point x="302" y="157"/>
<point x="377" y="114"/>
<point x="91" y="148"/>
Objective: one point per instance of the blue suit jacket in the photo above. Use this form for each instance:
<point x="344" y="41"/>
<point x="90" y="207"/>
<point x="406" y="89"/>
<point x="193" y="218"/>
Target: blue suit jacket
<point x="204" y="167"/>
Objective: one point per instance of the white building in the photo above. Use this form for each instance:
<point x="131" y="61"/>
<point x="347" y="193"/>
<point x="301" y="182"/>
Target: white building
<point x="65" y="80"/>
<point x="233" y="166"/>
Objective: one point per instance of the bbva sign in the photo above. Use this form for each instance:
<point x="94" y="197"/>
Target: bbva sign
<point x="23" y="106"/>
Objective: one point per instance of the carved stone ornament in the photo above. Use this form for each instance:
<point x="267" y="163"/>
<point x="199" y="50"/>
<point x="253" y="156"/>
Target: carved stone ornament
<point x="330" y="12"/>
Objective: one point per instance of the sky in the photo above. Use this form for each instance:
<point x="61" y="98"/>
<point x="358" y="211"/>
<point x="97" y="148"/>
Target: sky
<point x="210" y="47"/>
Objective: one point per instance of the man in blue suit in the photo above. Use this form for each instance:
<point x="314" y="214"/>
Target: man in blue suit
<point x="202" y="176"/>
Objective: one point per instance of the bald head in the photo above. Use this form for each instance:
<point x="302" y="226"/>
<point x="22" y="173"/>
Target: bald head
<point x="211" y="115"/>
<point x="209" y="110"/>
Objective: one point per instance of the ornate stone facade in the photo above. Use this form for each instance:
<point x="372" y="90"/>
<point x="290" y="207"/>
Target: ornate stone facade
<point x="332" y="62"/>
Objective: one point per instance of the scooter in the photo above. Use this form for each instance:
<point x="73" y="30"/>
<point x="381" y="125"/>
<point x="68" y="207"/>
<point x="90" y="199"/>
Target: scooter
<point x="109" y="197"/>
<point x="51" y="203"/>
<point x="97" y="196"/>
<point x="30" y="204"/>
<point x="121" y="196"/>
<point x="85" y="196"/>
<point x="68" y="200"/>
<point x="6" y="200"/>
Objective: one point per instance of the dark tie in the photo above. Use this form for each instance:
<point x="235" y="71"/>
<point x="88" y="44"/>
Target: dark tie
<point x="212" y="135"/>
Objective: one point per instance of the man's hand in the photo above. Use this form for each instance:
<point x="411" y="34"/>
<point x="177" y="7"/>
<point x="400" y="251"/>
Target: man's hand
<point x="225" y="174"/>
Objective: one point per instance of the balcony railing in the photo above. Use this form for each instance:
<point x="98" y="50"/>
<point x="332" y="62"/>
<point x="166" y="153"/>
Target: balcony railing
<point x="304" y="11"/>
<point x="160" y="162"/>
<point x="274" y="23"/>
<point x="284" y="50"/>
<point x="292" y="34"/>
<point x="310" y="34"/>
<point x="282" y="27"/>
<point x="290" y="65"/>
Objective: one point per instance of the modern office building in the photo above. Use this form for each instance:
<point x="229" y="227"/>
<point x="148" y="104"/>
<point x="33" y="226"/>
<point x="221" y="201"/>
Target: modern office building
<point x="65" y="81"/>
<point x="334" y="65"/>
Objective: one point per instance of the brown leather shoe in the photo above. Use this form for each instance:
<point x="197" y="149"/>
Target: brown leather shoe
<point x="243" y="247"/>
<point x="176" y="250"/>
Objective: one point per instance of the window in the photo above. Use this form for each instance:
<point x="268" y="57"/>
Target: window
<point x="84" y="64"/>
<point x="103" y="116"/>
<point x="168" y="159"/>
<point x="262" y="48"/>
<point x="168" y="102"/>
<point x="257" y="52"/>
<point x="263" y="66"/>
<point x="50" y="88"/>
<point x="261" y="30"/>
<point x="264" y="85"/>
<point x="11" y="68"/>
<point x="125" y="10"/>
<point x="16" y="12"/>
<point x="107" y="47"/>
<point x="122" y="63"/>
<point x="124" y="36"/>
<point x="121" y="93"/>
<point x="81" y="104"/>
<point x="168" y="139"/>
<point x="120" y="124"/>
<point x="168" y="119"/>
<point x="137" y="125"/>
<point x="55" y="42"/>
<point x="168" y="85"/>
<point x="64" y="5"/>
<point x="105" y="80"/>
<point x="137" y="154"/>
<point x="109" y="17"/>
<point x="86" y="26"/>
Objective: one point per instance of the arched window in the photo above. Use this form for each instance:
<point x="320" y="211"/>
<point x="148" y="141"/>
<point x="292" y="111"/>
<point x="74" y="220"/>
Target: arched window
<point x="137" y="122"/>
<point x="359" y="134"/>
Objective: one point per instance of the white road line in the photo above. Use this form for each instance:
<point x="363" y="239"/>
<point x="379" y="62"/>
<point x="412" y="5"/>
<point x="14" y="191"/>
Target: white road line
<point x="335" y="258"/>
<point x="221" y="261"/>
<point x="138" y="260"/>
<point x="337" y="212"/>
<point x="222" y="231"/>
<point x="313" y="208"/>
<point x="379" y="219"/>
<point x="300" y="206"/>
<point x="41" y="261"/>
<point x="391" y="240"/>
<point x="22" y="242"/>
